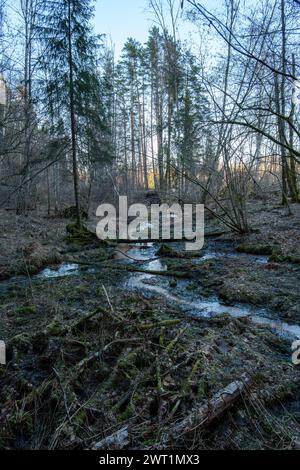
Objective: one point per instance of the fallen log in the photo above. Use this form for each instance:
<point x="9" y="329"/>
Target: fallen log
<point x="177" y="274"/>
<point x="128" y="241"/>
<point x="203" y="415"/>
<point x="87" y="317"/>
<point x="216" y="234"/>
<point x="116" y="441"/>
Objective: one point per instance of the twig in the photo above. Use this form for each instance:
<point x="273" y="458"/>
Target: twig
<point x="63" y="392"/>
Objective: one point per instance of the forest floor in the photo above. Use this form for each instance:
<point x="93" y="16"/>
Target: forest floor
<point x="87" y="358"/>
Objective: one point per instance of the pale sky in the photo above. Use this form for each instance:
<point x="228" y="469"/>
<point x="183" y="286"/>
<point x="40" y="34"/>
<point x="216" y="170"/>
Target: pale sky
<point x="120" y="19"/>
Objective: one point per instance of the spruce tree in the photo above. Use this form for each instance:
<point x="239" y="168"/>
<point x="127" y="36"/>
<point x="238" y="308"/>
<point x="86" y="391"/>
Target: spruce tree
<point x="73" y="86"/>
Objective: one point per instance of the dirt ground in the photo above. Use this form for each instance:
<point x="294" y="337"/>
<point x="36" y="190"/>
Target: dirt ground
<point x="138" y="364"/>
<point x="87" y="358"/>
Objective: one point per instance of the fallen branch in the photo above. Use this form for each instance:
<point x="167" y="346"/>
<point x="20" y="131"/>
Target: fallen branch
<point x="177" y="274"/>
<point x="150" y="326"/>
<point x="63" y="393"/>
<point x="89" y="316"/>
<point x="57" y="328"/>
<point x="204" y="415"/>
<point x="116" y="441"/>
<point x="120" y="341"/>
<point x="216" y="234"/>
<point x="173" y="343"/>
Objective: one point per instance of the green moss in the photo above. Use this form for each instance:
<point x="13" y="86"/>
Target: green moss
<point x="256" y="249"/>
<point x="169" y="273"/>
<point x="168" y="252"/>
<point x="26" y="310"/>
<point x="32" y="269"/>
<point x="103" y="255"/>
<point x="19" y="321"/>
<point x="21" y="422"/>
<point x="127" y="363"/>
<point x="279" y="258"/>
<point x="201" y="390"/>
<point x="55" y="329"/>
<point x="194" y="372"/>
<point x="165" y="250"/>
<point x="81" y="418"/>
<point x="148" y="442"/>
<point x="128" y="413"/>
<point x="80" y="235"/>
<point x="21" y="342"/>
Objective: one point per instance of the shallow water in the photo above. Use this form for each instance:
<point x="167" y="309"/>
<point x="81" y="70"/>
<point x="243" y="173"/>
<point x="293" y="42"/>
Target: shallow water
<point x="197" y="305"/>
<point x="65" y="269"/>
<point x="179" y="295"/>
<point x="211" y="254"/>
<point x="208" y="308"/>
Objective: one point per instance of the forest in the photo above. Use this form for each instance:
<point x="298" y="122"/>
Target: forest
<point x="140" y="344"/>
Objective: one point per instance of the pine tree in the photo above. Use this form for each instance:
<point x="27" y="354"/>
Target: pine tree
<point x="73" y="87"/>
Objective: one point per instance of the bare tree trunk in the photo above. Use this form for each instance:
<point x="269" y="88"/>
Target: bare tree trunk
<point x="159" y="133"/>
<point x="48" y="192"/>
<point x="73" y="116"/>
<point x="282" y="111"/>
<point x="28" y="8"/>
<point x="292" y="170"/>
<point x="133" y="162"/>
<point x="125" y="155"/>
<point x="151" y="132"/>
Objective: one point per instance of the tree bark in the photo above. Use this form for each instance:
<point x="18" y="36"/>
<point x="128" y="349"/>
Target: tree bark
<point x="204" y="415"/>
<point x="73" y="116"/>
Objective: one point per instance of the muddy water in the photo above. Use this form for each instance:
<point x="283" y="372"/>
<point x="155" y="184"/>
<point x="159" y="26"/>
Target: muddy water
<point x="179" y="294"/>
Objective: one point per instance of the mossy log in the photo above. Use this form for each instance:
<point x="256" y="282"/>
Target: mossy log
<point x="202" y="416"/>
<point x="166" y="251"/>
<point x="173" y="343"/>
<point x="279" y="258"/>
<point x="168" y="273"/>
<point x="82" y="235"/>
<point x="57" y="328"/>
<point x="115" y="441"/>
<point x="256" y="249"/>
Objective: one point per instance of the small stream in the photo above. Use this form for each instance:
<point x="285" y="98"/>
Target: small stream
<point x="195" y="304"/>
<point x="180" y="294"/>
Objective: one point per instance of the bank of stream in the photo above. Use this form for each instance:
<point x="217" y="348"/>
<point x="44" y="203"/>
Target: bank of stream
<point x="177" y="291"/>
